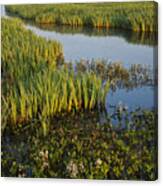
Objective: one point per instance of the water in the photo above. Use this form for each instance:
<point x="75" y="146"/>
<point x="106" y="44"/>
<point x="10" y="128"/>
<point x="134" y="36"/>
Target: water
<point x="3" y="12"/>
<point x="112" y="48"/>
<point x="142" y="97"/>
<point x="113" y="45"/>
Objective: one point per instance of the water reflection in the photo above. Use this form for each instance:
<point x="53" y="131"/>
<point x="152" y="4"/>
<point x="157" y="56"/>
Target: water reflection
<point x="143" y="38"/>
<point x="140" y="97"/>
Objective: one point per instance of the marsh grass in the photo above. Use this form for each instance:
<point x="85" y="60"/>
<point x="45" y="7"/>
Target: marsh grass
<point x="36" y="89"/>
<point x="22" y="47"/>
<point x="137" y="16"/>
<point x="52" y="92"/>
<point x="33" y="88"/>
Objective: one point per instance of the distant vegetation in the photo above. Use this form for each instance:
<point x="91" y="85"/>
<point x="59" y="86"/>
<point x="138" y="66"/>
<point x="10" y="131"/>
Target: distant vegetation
<point x="137" y="16"/>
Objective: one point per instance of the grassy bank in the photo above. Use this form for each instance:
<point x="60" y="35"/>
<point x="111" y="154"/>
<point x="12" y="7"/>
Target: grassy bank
<point x="137" y="16"/>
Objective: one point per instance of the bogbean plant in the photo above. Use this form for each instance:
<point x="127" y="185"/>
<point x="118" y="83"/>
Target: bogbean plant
<point x="137" y="16"/>
<point x="79" y="147"/>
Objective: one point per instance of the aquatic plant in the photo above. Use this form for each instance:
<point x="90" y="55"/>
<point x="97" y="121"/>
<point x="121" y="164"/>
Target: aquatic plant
<point x="21" y="47"/>
<point x="37" y="89"/>
<point x="137" y="16"/>
<point x="119" y="76"/>
<point x="77" y="146"/>
<point x="52" y="92"/>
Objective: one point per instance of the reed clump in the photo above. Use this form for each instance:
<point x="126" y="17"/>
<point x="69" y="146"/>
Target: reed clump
<point x="136" y="16"/>
<point x="20" y="45"/>
<point x="36" y="89"/>
<point x="53" y="92"/>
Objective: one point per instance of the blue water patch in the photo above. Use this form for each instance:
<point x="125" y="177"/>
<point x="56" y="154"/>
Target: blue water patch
<point x="142" y="97"/>
<point x="111" y="48"/>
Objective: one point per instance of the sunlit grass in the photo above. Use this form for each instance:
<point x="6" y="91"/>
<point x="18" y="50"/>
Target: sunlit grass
<point x="33" y="88"/>
<point x="137" y="16"/>
<point x="53" y="92"/>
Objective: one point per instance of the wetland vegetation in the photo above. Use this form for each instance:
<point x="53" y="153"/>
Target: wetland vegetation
<point x="138" y="16"/>
<point x="54" y="117"/>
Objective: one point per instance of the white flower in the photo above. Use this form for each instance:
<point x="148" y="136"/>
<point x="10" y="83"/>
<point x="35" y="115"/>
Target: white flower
<point x="98" y="162"/>
<point x="41" y="153"/>
<point x="81" y="167"/>
<point x="72" y="169"/>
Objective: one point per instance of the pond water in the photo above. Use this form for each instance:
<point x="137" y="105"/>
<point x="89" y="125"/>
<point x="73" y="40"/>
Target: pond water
<point x="78" y="45"/>
<point x="112" y="45"/>
<point x="3" y="12"/>
<point x="142" y="97"/>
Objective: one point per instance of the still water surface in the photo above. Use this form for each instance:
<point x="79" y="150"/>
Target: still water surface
<point x="110" y="47"/>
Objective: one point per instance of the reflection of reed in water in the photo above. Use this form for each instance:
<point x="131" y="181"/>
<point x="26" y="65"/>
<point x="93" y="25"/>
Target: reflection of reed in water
<point x="144" y="38"/>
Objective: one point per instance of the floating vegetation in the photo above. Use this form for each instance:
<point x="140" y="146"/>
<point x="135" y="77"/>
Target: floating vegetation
<point x="79" y="147"/>
<point x="137" y="16"/>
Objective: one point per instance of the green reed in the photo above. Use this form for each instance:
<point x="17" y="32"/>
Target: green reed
<point x="53" y="92"/>
<point x="137" y="16"/>
<point x="33" y="88"/>
<point x="21" y="47"/>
